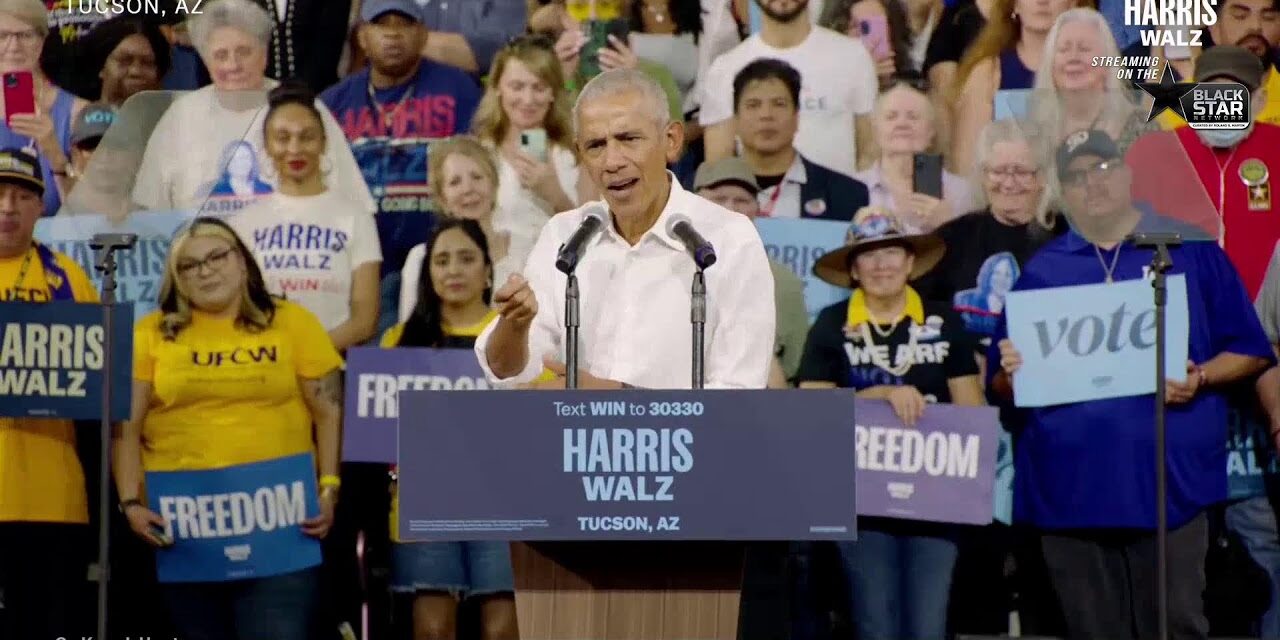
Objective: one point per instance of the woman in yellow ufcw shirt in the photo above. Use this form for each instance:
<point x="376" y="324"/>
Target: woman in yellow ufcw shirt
<point x="452" y="309"/>
<point x="225" y="375"/>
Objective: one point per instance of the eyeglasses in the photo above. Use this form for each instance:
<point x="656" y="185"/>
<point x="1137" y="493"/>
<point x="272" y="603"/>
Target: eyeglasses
<point x="1078" y="177"/>
<point x="24" y="37"/>
<point x="1020" y="175"/>
<point x="216" y="261"/>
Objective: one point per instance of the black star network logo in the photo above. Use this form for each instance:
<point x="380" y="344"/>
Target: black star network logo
<point x="1167" y="94"/>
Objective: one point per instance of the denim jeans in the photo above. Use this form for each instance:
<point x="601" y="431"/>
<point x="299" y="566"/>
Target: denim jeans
<point x="899" y="583"/>
<point x="275" y="608"/>
<point x="1254" y="520"/>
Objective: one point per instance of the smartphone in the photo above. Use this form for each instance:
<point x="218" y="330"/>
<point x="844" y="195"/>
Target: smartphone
<point x="19" y="94"/>
<point x="874" y="33"/>
<point x="534" y="143"/>
<point x="926" y="176"/>
<point x="598" y="32"/>
<point x="161" y="537"/>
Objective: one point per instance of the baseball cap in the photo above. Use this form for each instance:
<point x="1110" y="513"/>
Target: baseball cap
<point x="373" y="9"/>
<point x="1236" y="63"/>
<point x="92" y="123"/>
<point x="1090" y="142"/>
<point x="19" y="167"/>
<point x="731" y="169"/>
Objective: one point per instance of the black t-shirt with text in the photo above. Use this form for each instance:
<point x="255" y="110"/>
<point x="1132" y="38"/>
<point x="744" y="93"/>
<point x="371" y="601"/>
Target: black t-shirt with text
<point x="939" y="350"/>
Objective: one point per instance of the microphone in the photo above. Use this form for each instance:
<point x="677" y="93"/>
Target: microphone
<point x="573" y="249"/>
<point x="704" y="255"/>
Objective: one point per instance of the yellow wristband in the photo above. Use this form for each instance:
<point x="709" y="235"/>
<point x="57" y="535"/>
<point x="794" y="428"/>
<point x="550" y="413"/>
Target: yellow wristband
<point x="330" y="482"/>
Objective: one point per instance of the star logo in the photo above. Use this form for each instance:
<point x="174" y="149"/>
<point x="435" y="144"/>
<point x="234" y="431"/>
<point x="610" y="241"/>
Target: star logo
<point x="1167" y="94"/>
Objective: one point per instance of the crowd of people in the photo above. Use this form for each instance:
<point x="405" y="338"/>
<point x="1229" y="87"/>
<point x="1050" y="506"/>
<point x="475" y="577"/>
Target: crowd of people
<point x="399" y="173"/>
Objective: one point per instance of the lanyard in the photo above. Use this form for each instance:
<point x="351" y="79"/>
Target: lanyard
<point x="22" y="270"/>
<point x="767" y="210"/>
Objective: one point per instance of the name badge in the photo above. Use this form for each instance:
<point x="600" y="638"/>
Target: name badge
<point x="1257" y="182"/>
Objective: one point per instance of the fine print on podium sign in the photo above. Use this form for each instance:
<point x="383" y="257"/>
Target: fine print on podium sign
<point x="627" y="465"/>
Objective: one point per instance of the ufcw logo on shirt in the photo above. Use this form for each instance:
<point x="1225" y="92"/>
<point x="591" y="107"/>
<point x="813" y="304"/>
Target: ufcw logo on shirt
<point x="238" y="355"/>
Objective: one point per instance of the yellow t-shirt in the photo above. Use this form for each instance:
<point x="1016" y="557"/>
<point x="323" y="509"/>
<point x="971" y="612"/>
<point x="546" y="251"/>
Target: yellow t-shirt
<point x="1270" y="111"/>
<point x="40" y="475"/>
<point x="223" y="396"/>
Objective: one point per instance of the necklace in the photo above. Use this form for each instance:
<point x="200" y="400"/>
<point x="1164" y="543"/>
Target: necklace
<point x="1110" y="271"/>
<point x="902" y="367"/>
<point x="22" y="272"/>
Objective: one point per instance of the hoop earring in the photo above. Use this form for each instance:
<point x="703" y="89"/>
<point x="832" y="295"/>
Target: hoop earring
<point x="326" y="170"/>
<point x="268" y="172"/>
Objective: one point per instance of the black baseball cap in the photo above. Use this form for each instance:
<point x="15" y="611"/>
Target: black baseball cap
<point x="1090" y="142"/>
<point x="19" y="167"/>
<point x="92" y="123"/>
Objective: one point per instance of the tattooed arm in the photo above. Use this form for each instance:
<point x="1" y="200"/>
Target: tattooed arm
<point x="324" y="398"/>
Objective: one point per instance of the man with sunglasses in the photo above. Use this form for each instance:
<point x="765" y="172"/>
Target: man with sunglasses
<point x="45" y="542"/>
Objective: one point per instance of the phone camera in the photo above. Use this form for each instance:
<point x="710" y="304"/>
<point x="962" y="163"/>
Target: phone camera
<point x="10" y="81"/>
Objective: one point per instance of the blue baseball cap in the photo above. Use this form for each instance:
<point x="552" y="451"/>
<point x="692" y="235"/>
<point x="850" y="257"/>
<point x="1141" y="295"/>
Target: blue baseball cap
<point x="373" y="9"/>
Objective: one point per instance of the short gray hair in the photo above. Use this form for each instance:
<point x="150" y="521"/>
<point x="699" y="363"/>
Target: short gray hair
<point x="611" y="83"/>
<point x="1013" y="131"/>
<point x="241" y="15"/>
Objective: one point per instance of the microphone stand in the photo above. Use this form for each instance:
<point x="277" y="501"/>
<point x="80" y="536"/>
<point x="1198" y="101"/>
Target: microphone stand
<point x="571" y="324"/>
<point x="698" y="316"/>
<point x="105" y="246"/>
<point x="1161" y="262"/>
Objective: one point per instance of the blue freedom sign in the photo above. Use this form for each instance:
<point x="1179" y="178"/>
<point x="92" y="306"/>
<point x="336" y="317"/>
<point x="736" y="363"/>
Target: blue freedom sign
<point x="52" y="361"/>
<point x="797" y="244"/>
<point x="1104" y="334"/>
<point x="140" y="270"/>
<point x="375" y="378"/>
<point x="941" y="470"/>
<point x="237" y="522"/>
<point x="627" y="465"/>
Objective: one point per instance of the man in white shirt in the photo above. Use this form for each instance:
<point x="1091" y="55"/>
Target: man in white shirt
<point x="839" y="87"/>
<point x="635" y="276"/>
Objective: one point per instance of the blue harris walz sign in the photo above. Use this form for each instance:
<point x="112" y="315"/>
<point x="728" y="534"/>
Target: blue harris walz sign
<point x="236" y="522"/>
<point x="52" y="360"/>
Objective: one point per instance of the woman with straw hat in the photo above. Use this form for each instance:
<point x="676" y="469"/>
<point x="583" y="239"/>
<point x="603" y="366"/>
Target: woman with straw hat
<point x="886" y="343"/>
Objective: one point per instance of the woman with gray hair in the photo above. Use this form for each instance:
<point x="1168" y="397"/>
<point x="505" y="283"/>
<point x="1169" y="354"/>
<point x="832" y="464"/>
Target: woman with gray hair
<point x="188" y="152"/>
<point x="46" y="132"/>
<point x="985" y="247"/>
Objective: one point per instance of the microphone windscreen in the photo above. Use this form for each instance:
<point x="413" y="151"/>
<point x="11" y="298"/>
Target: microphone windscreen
<point x="675" y="219"/>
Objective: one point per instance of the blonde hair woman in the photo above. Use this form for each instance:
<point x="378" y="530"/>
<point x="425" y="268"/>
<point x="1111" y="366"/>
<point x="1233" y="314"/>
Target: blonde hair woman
<point x="524" y="117"/>
<point x="464" y="178"/>
<point x="190" y="416"/>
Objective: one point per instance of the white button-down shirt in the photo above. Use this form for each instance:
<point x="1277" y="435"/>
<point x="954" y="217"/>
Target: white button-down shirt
<point x="635" y="302"/>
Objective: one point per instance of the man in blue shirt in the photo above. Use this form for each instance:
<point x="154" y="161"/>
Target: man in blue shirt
<point x="390" y="112"/>
<point x="1085" y="474"/>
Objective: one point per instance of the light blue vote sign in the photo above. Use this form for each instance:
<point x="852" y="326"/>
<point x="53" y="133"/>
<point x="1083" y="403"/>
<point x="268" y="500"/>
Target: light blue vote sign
<point x="1091" y="342"/>
<point x="237" y="522"/>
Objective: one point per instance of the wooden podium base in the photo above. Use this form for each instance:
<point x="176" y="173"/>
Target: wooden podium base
<point x="627" y="590"/>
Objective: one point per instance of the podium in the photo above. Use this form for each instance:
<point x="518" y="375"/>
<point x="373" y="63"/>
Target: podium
<point x="628" y="590"/>
<point x="627" y="510"/>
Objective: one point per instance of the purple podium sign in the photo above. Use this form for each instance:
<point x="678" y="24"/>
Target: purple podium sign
<point x="627" y="465"/>
<point x="375" y="378"/>
<point x="942" y="469"/>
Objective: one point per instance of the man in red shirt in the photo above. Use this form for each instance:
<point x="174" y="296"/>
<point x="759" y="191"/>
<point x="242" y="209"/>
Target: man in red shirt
<point x="1236" y="168"/>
